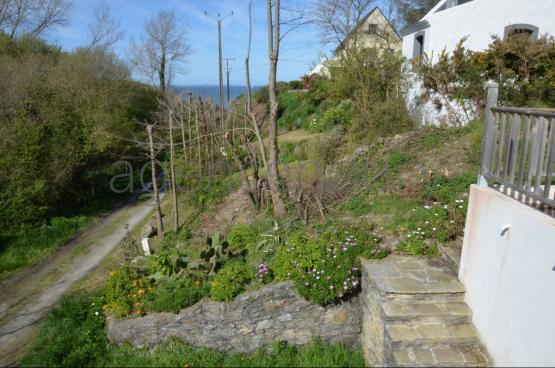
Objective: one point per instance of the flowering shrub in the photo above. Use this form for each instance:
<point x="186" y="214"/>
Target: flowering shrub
<point x="314" y="124"/>
<point x="263" y="273"/>
<point x="326" y="269"/>
<point x="125" y="292"/>
<point x="438" y="222"/>
<point x="230" y="281"/>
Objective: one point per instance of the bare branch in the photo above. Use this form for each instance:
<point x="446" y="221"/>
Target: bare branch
<point x="337" y="18"/>
<point x="33" y="17"/>
<point x="106" y="31"/>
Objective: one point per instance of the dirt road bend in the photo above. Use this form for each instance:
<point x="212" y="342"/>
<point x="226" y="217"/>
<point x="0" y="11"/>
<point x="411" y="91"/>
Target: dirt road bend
<point x="26" y="298"/>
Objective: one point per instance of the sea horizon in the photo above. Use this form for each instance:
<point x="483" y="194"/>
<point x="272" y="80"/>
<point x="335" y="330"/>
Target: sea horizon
<point x="212" y="91"/>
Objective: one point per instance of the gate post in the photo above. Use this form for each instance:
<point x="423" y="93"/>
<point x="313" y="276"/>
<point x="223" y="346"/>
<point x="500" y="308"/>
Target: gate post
<point x="487" y="140"/>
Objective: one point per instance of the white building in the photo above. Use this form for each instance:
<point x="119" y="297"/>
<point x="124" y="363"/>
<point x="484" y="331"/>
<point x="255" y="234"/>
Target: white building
<point x="478" y="20"/>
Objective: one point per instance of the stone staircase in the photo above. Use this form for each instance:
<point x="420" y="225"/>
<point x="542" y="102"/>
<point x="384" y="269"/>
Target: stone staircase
<point x="414" y="315"/>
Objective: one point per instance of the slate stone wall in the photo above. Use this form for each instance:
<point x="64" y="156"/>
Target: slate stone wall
<point x="273" y="313"/>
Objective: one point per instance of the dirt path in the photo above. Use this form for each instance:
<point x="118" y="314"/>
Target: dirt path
<point x="27" y="297"/>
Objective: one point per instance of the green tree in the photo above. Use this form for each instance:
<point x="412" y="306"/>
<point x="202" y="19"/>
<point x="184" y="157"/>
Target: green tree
<point x="411" y="11"/>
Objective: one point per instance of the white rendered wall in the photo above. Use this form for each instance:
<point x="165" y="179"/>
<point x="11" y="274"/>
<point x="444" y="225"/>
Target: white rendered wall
<point x="479" y="20"/>
<point x="509" y="280"/>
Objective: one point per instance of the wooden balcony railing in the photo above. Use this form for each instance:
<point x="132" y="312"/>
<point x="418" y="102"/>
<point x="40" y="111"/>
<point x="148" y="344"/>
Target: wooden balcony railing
<point x="518" y="152"/>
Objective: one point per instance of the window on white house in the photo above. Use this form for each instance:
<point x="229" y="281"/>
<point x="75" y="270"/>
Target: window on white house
<point x="373" y="28"/>
<point x="515" y="30"/>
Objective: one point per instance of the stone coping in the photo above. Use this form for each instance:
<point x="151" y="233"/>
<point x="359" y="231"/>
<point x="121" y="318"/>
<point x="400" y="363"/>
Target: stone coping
<point x="410" y="275"/>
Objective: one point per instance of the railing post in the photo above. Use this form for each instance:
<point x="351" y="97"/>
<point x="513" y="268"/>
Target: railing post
<point x="487" y="140"/>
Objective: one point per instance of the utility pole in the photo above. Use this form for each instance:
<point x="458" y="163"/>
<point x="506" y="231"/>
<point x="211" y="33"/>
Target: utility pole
<point x="220" y="72"/>
<point x="227" y="71"/>
<point x="220" y="67"/>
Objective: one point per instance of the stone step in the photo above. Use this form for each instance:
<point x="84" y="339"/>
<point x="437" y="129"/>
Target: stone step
<point x="411" y="276"/>
<point x="439" y="356"/>
<point x="452" y="257"/>
<point x="415" y="315"/>
<point x="429" y="310"/>
<point x="417" y="333"/>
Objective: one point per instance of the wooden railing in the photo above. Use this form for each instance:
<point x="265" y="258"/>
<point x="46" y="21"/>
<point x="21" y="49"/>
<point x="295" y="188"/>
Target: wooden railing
<point x="518" y="152"/>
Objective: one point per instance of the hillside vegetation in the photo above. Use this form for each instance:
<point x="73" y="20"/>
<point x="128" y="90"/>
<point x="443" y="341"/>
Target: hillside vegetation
<point x="359" y="178"/>
<point x="61" y="116"/>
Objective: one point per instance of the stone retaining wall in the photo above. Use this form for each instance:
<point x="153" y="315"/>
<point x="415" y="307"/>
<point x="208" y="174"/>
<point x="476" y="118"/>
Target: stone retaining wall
<point x="273" y="313"/>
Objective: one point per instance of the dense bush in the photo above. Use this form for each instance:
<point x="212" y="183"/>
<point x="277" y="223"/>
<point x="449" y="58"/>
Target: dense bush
<point x="319" y="91"/>
<point x="171" y="294"/>
<point x="230" y="280"/>
<point x="375" y="83"/>
<point x="294" y="110"/>
<point x="241" y="237"/>
<point x="168" y="262"/>
<point x="295" y="84"/>
<point x="326" y="269"/>
<point x="523" y="67"/>
<point x="60" y="114"/>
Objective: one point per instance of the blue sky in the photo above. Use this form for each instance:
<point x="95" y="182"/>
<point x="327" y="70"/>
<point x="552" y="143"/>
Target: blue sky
<point x="300" y="50"/>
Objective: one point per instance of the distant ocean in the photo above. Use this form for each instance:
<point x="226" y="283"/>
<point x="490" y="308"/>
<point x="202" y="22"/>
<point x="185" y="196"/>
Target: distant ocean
<point x="213" y="91"/>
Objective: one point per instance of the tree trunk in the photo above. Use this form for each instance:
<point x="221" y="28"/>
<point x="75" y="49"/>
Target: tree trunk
<point x="184" y="142"/>
<point x="199" y="154"/>
<point x="274" y="180"/>
<point x="247" y="63"/>
<point x="162" y="72"/>
<point x="172" y="169"/>
<point x="157" y="208"/>
<point x="189" y="117"/>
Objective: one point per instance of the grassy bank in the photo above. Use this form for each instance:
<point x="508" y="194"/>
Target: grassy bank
<point x="32" y="244"/>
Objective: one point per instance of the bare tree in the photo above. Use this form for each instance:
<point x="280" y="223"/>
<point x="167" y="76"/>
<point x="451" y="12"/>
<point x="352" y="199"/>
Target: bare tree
<point x="105" y="31"/>
<point x="4" y="12"/>
<point x="272" y="171"/>
<point x="337" y="18"/>
<point x="162" y="50"/>
<point x="390" y="9"/>
<point x="247" y="62"/>
<point x="157" y="208"/>
<point x="33" y="17"/>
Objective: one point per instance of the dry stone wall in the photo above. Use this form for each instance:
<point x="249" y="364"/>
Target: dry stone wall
<point x="254" y="319"/>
